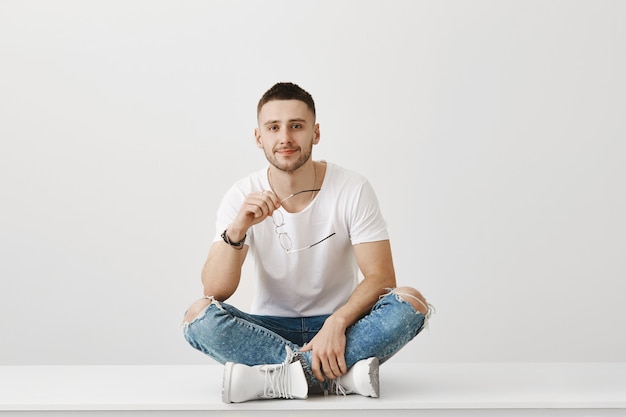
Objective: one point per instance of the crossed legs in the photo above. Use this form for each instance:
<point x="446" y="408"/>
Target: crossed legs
<point x="227" y="334"/>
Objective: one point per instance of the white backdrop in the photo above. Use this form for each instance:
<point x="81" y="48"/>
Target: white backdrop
<point x="493" y="132"/>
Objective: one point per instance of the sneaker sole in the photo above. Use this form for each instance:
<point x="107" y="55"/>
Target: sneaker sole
<point x="374" y="377"/>
<point x="228" y="370"/>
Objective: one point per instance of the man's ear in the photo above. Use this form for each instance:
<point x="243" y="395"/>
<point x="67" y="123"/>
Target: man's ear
<point x="316" y="130"/>
<point x="257" y="137"/>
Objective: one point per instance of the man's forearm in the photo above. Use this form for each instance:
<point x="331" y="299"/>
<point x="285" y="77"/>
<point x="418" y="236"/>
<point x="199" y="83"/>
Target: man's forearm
<point x="222" y="270"/>
<point x="363" y="298"/>
<point x="376" y="265"/>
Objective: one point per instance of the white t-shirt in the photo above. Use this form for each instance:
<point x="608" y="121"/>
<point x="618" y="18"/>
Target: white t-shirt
<point x="320" y="279"/>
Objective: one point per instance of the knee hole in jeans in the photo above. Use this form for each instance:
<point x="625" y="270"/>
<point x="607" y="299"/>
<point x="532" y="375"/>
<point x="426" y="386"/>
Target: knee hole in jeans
<point x="196" y="309"/>
<point x="413" y="297"/>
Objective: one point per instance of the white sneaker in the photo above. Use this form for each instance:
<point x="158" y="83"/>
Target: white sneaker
<point x="245" y="383"/>
<point x="361" y="379"/>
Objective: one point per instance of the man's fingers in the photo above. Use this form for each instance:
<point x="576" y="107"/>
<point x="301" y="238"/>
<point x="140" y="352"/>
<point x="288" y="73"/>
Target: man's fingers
<point x="331" y="366"/>
<point x="266" y="201"/>
<point x="315" y="367"/>
<point x="261" y="204"/>
<point x="331" y="370"/>
<point x="255" y="209"/>
<point x="337" y="367"/>
<point x="343" y="368"/>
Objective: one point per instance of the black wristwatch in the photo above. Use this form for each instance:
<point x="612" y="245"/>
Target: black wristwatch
<point x="236" y="245"/>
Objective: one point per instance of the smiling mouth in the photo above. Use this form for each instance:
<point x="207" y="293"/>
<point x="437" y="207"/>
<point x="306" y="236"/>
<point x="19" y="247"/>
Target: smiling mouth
<point x="286" y="151"/>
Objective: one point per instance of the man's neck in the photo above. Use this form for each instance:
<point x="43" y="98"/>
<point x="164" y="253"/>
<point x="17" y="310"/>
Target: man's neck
<point x="284" y="184"/>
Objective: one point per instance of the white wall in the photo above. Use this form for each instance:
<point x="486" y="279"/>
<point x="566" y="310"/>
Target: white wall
<point x="493" y="132"/>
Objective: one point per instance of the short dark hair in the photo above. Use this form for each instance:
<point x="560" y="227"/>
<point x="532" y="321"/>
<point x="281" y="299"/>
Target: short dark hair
<point x="286" y="91"/>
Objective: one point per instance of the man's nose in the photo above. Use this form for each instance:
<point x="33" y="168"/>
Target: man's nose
<point x="284" y="136"/>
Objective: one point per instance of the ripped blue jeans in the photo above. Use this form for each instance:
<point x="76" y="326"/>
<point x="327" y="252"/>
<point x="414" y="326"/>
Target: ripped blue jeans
<point x="227" y="334"/>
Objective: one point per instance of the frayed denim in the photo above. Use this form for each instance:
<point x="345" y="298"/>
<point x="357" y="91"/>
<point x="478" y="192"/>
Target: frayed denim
<point x="227" y="334"/>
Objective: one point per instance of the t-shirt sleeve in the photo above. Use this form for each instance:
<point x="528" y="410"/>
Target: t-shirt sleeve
<point x="227" y="210"/>
<point x="367" y="222"/>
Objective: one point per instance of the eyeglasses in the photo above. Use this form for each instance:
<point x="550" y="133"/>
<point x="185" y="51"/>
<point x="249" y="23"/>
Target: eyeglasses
<point x="283" y="237"/>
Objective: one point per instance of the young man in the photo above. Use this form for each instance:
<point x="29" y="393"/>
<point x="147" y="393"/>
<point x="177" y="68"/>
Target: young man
<point x="311" y="226"/>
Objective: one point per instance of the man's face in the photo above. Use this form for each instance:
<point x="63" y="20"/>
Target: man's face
<point x="287" y="132"/>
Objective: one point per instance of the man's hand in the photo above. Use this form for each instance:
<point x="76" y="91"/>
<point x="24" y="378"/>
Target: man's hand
<point x="255" y="208"/>
<point x="328" y="350"/>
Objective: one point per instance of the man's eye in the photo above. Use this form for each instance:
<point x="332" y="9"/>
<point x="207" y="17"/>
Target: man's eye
<point x="274" y="127"/>
<point x="296" y="126"/>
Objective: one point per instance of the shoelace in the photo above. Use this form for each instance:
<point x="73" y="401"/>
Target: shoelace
<point x="278" y="378"/>
<point x="335" y="385"/>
